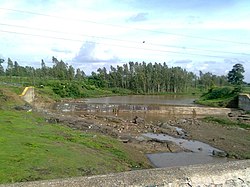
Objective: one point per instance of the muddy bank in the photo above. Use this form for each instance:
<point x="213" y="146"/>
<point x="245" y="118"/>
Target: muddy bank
<point x="128" y="132"/>
<point x="234" y="141"/>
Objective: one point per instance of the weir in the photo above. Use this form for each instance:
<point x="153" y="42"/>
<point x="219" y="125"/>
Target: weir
<point x="28" y="94"/>
<point x="236" y="173"/>
<point x="150" y="109"/>
<point x="244" y="102"/>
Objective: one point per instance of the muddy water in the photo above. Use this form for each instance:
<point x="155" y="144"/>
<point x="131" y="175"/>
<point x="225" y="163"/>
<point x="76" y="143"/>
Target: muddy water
<point x="198" y="153"/>
<point x="145" y="99"/>
<point x="138" y="105"/>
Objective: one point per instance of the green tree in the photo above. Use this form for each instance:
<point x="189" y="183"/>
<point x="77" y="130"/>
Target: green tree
<point x="70" y="73"/>
<point x="16" y="68"/>
<point x="9" y="70"/>
<point x="235" y="76"/>
<point x="1" y="67"/>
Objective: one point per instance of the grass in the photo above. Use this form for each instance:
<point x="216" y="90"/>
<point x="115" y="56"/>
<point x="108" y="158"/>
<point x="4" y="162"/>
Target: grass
<point x="31" y="149"/>
<point x="227" y="122"/>
<point x="220" y="102"/>
<point x="47" y="93"/>
<point x="219" y="97"/>
<point x="246" y="89"/>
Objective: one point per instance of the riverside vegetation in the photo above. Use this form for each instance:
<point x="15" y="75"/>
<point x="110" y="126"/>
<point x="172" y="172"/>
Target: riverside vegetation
<point x="129" y="78"/>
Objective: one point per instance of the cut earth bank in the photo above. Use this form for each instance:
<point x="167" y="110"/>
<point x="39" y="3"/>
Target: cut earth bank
<point x="233" y="140"/>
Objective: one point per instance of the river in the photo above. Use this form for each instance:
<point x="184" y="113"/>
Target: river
<point x="179" y="100"/>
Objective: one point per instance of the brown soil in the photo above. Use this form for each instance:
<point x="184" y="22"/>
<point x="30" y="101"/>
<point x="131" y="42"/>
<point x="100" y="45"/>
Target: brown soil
<point x="233" y="140"/>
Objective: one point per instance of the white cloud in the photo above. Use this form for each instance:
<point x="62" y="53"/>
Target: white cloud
<point x="92" y="53"/>
<point x="163" y="33"/>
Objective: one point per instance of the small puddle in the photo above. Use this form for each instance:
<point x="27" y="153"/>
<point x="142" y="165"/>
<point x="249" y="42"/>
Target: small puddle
<point x="201" y="153"/>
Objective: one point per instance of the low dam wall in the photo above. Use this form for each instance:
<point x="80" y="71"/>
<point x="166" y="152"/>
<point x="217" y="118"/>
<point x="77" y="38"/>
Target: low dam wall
<point x="228" y="174"/>
<point x="28" y="94"/>
<point x="244" y="102"/>
<point x="153" y="109"/>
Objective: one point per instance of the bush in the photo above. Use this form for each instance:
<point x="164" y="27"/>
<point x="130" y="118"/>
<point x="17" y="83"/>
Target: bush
<point x="69" y="89"/>
<point x="217" y="93"/>
<point x="220" y="97"/>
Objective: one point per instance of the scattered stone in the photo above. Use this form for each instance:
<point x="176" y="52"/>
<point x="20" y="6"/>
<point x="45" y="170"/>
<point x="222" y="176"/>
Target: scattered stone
<point x="140" y="138"/>
<point x="219" y="153"/>
<point x="138" y="120"/>
<point x="125" y="138"/>
<point x="200" y="149"/>
<point x="25" y="107"/>
<point x="52" y="120"/>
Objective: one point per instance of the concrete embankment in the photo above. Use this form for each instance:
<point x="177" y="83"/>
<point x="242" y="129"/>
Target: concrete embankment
<point x="28" y="94"/>
<point x="192" y="110"/>
<point x="244" y="102"/>
<point x="230" y="174"/>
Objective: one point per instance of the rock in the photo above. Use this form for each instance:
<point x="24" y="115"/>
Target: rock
<point x="183" y="121"/>
<point x="141" y="139"/>
<point x="125" y="138"/>
<point x="230" y="114"/>
<point x="138" y="120"/>
<point x="219" y="153"/>
<point x="114" y="119"/>
<point x="168" y="127"/>
<point x="160" y="141"/>
<point x="52" y="120"/>
<point x="23" y="107"/>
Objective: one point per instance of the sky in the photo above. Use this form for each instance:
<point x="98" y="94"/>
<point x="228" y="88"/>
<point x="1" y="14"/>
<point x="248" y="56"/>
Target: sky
<point x="198" y="35"/>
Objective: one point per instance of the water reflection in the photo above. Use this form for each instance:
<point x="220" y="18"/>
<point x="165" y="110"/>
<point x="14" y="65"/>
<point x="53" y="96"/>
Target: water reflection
<point x="200" y="153"/>
<point x="145" y="99"/>
<point x="162" y="160"/>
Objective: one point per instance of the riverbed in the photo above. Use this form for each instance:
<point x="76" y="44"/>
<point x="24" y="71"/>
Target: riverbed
<point x="196" y="152"/>
<point x="115" y="116"/>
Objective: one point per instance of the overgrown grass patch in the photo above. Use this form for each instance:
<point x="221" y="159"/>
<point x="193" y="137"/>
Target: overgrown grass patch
<point x="219" y="97"/>
<point x="226" y="122"/>
<point x="31" y="149"/>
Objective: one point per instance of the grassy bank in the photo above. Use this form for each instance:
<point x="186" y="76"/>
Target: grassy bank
<point x="227" y="122"/>
<point x="32" y="149"/>
<point x="219" y="97"/>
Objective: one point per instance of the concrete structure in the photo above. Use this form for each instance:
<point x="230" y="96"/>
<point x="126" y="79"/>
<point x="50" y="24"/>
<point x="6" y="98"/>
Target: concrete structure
<point x="28" y="94"/>
<point x="150" y="109"/>
<point x="228" y="174"/>
<point x="244" y="102"/>
<point x="182" y="110"/>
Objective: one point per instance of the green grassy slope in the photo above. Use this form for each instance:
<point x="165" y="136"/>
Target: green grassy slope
<point x="219" y="97"/>
<point x="32" y="149"/>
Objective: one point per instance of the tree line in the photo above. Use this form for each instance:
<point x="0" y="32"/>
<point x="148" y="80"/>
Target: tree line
<point x="139" y="77"/>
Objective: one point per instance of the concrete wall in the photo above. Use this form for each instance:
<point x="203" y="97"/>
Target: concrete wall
<point x="244" y="102"/>
<point x="193" y="110"/>
<point x="228" y="174"/>
<point x="28" y="94"/>
<point x="152" y="109"/>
